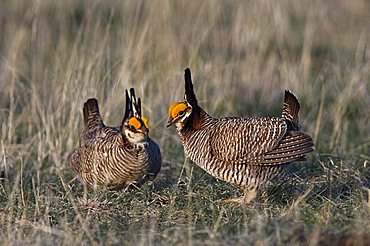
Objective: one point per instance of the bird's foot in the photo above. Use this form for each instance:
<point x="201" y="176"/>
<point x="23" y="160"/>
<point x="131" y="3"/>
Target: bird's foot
<point x="249" y="195"/>
<point x="238" y="200"/>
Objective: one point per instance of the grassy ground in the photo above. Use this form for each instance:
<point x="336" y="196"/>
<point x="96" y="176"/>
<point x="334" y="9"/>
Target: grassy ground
<point x="243" y="54"/>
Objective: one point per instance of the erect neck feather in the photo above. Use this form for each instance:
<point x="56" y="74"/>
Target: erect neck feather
<point x="198" y="119"/>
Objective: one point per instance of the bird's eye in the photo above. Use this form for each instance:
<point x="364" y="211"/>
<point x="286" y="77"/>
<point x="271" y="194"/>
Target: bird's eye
<point x="134" y="123"/>
<point x="181" y="113"/>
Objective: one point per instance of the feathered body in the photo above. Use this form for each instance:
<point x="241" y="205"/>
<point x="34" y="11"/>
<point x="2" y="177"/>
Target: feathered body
<point x="115" y="156"/>
<point x="245" y="152"/>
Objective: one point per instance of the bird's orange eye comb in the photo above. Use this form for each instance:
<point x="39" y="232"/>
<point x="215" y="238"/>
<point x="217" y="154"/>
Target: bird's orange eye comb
<point x="134" y="122"/>
<point x="145" y="120"/>
<point x="175" y="108"/>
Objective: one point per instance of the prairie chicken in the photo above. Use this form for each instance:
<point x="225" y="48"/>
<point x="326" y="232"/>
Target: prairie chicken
<point x="116" y="156"/>
<point x="246" y="152"/>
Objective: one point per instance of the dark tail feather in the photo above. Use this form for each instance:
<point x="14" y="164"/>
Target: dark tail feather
<point x="91" y="113"/>
<point x="290" y="111"/>
<point x="189" y="90"/>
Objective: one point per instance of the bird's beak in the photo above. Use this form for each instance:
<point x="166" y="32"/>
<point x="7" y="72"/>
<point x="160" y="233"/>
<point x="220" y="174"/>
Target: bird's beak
<point x="170" y="122"/>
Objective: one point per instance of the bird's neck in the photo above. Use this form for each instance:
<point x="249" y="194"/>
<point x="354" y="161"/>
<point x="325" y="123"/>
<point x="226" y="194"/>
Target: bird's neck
<point x="199" y="120"/>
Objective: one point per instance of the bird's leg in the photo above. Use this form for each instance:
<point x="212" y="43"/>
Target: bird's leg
<point x="234" y="200"/>
<point x="249" y="195"/>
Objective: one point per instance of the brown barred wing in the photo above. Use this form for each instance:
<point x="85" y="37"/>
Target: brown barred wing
<point x="245" y="141"/>
<point x="91" y="160"/>
<point x="75" y="160"/>
<point x="294" y="146"/>
<point x="109" y="160"/>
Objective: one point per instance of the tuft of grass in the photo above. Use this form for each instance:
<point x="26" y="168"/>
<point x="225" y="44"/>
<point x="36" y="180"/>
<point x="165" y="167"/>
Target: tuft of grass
<point x="54" y="55"/>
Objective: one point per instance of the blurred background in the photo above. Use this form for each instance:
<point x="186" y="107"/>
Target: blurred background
<point x="54" y="55"/>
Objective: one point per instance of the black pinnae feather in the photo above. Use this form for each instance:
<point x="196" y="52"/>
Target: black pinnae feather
<point x="189" y="91"/>
<point x="133" y="98"/>
<point x="135" y="104"/>
<point x="128" y="110"/>
<point x="139" y="106"/>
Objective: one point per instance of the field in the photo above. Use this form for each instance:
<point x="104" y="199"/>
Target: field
<point x="54" y="55"/>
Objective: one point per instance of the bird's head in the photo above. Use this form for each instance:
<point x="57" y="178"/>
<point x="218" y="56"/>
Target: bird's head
<point x="135" y="126"/>
<point x="180" y="112"/>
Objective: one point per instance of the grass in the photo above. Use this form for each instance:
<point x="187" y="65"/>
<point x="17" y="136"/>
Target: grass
<point x="56" y="54"/>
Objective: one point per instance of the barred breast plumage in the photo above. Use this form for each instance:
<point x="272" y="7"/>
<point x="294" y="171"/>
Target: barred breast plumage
<point x="115" y="156"/>
<point x="246" y="152"/>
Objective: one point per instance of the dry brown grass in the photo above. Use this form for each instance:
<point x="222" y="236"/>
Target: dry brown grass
<point x="243" y="54"/>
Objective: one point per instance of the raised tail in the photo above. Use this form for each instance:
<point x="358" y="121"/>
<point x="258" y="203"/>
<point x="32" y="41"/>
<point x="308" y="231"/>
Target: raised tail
<point x="290" y="111"/>
<point x="92" y="117"/>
